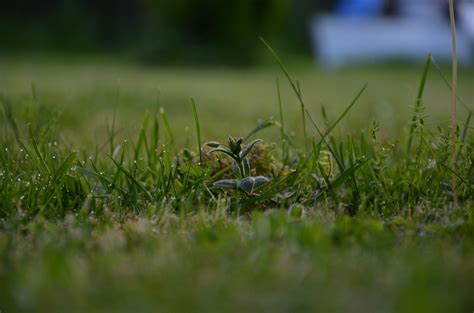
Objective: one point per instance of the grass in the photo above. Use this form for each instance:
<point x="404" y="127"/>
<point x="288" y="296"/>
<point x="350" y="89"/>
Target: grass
<point x="454" y="88"/>
<point x="109" y="202"/>
<point x="87" y="93"/>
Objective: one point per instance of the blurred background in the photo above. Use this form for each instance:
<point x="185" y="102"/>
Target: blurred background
<point x="156" y="31"/>
<point x="128" y="56"/>
<point x="222" y="32"/>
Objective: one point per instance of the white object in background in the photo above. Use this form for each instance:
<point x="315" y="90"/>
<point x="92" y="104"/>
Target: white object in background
<point x="466" y="17"/>
<point x="422" y="9"/>
<point x="339" y="41"/>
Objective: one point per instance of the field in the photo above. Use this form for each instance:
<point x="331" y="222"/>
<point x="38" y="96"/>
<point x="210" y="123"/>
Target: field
<point x="346" y="205"/>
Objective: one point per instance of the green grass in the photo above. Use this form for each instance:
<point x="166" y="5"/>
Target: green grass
<point x="214" y="263"/>
<point x="88" y="93"/>
<point x="107" y="203"/>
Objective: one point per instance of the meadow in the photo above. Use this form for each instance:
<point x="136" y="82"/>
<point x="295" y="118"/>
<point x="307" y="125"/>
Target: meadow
<point x="324" y="191"/>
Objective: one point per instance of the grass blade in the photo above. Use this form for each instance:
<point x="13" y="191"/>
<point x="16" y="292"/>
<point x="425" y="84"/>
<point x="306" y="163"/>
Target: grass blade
<point x="344" y="113"/>
<point x="418" y="102"/>
<point x="282" y="124"/>
<point x="132" y="179"/>
<point x="167" y="125"/>
<point x="198" y="130"/>
<point x="294" y="85"/>
<point x="454" y="87"/>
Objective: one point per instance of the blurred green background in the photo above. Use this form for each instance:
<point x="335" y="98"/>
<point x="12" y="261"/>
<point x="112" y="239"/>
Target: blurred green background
<point x="93" y="60"/>
<point x="83" y="95"/>
<point x="157" y="31"/>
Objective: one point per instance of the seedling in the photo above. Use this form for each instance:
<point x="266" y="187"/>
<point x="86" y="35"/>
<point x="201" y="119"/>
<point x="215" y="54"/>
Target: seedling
<point x="240" y="165"/>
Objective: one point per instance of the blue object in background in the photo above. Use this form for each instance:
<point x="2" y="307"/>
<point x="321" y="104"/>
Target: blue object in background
<point x="360" y="8"/>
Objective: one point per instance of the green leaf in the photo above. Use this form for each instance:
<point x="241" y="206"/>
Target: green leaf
<point x="187" y="154"/>
<point x="235" y="145"/>
<point x="223" y="151"/>
<point x="225" y="184"/>
<point x="260" y="127"/>
<point x="212" y="144"/>
<point x="251" y="183"/>
<point x="246" y="166"/>
<point x="249" y="147"/>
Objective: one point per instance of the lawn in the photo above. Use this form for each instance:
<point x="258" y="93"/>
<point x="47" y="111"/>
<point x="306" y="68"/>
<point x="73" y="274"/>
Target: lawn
<point x="106" y="204"/>
<point x="230" y="101"/>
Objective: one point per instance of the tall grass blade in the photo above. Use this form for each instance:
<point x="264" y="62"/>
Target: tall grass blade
<point x="11" y="120"/>
<point x="418" y="103"/>
<point x="454" y="85"/>
<point x="344" y="113"/>
<point x="448" y="84"/>
<point x="198" y="130"/>
<point x="466" y="127"/>
<point x="333" y="152"/>
<point x="294" y="85"/>
<point x="282" y="123"/>
<point x="164" y="117"/>
<point x="39" y="155"/>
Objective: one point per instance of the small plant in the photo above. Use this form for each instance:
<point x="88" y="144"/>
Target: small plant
<point x="240" y="165"/>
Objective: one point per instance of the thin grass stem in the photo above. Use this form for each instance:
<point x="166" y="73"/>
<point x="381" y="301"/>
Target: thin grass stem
<point x="454" y="85"/>
<point x="198" y="129"/>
